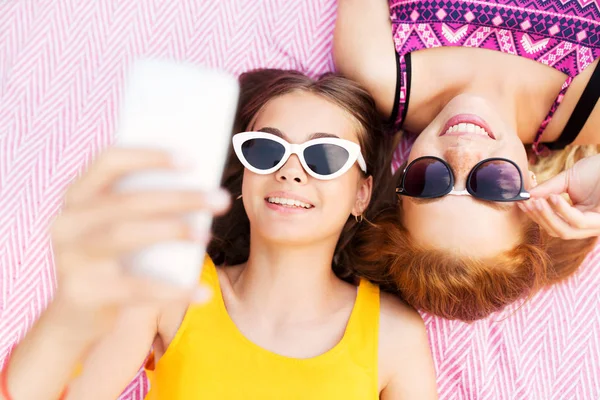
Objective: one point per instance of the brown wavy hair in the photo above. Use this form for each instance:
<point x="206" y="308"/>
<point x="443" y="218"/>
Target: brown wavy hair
<point x="231" y="233"/>
<point x="468" y="288"/>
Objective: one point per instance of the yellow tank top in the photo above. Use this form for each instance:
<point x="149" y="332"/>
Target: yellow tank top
<point x="209" y="358"/>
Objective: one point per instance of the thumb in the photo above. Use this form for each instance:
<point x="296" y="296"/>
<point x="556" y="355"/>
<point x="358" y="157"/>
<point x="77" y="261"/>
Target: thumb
<point x="557" y="185"/>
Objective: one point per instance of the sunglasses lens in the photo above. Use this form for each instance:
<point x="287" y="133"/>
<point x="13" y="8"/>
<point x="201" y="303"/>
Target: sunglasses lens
<point x="427" y="177"/>
<point x="496" y="180"/>
<point x="262" y="153"/>
<point x="325" y="158"/>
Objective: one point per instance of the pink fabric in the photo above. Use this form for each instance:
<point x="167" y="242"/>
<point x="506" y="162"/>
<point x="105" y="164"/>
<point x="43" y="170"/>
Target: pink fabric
<point x="61" y="71"/>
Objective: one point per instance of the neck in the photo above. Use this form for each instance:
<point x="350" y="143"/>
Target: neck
<point x="287" y="281"/>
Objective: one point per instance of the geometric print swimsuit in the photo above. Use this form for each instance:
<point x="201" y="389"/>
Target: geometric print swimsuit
<point x="561" y="34"/>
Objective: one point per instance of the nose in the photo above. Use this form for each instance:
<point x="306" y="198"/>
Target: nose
<point x="462" y="160"/>
<point x="292" y="171"/>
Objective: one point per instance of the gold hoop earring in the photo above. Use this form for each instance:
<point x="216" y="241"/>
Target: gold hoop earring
<point x="239" y="197"/>
<point x="358" y="221"/>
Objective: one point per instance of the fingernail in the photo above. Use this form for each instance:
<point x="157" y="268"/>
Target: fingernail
<point x="201" y="295"/>
<point x="554" y="198"/>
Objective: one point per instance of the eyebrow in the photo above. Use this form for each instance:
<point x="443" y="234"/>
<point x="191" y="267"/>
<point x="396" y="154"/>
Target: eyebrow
<point x="498" y="206"/>
<point x="277" y="132"/>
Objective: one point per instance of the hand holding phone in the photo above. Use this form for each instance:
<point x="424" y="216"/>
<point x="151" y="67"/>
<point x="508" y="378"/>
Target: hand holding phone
<point x="189" y="112"/>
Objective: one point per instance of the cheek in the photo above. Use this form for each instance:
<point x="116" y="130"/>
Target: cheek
<point x="515" y="151"/>
<point x="248" y="183"/>
<point x="252" y="190"/>
<point x="339" y="195"/>
<point x="423" y="146"/>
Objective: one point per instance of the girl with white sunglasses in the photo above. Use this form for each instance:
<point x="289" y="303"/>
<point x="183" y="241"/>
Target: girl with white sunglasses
<point x="288" y="317"/>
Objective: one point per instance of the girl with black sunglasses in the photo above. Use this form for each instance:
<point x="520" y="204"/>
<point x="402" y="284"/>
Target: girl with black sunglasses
<point x="469" y="83"/>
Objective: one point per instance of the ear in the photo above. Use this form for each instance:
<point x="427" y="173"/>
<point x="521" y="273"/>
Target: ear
<point x="363" y="196"/>
<point x="532" y="180"/>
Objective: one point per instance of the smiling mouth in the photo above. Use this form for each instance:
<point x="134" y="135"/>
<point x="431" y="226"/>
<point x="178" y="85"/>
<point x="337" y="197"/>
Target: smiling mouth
<point x="290" y="203"/>
<point x="466" y="124"/>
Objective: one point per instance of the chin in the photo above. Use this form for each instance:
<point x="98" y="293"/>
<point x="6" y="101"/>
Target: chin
<point x="285" y="234"/>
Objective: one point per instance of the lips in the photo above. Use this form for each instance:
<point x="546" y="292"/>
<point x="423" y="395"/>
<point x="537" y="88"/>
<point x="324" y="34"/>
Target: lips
<point x="288" y="200"/>
<point x="467" y="124"/>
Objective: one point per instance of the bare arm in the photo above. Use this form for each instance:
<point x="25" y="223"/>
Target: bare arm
<point x="113" y="362"/>
<point x="100" y="313"/>
<point x="405" y="356"/>
<point x="363" y="48"/>
<point x="42" y="364"/>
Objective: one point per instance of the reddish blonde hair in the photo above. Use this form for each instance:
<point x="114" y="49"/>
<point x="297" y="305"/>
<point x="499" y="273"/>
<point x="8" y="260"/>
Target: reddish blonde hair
<point x="454" y="287"/>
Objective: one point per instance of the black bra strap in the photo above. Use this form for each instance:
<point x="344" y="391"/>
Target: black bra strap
<point x="581" y="113"/>
<point x="408" y="62"/>
<point x="394" y="116"/>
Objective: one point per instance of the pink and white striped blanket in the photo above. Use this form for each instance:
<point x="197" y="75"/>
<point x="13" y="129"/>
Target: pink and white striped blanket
<point x="61" y="74"/>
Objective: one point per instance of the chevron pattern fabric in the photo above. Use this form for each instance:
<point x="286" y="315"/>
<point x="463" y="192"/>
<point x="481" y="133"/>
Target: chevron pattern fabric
<point x="62" y="64"/>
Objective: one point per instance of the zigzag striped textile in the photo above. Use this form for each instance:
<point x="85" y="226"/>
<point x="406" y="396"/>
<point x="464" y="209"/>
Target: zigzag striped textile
<point x="62" y="64"/>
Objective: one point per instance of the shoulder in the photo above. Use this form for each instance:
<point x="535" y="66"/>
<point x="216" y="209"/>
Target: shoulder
<point x="399" y="322"/>
<point x="405" y="361"/>
<point x="364" y="48"/>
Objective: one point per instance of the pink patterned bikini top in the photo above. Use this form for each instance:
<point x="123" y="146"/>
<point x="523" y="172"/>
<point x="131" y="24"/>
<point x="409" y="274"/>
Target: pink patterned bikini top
<point x="564" y="34"/>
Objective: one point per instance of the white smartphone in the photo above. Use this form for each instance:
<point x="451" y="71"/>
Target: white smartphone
<point x="189" y="112"/>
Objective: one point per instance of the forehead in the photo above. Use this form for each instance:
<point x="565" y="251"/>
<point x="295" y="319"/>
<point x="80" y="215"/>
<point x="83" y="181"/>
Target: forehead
<point x="463" y="226"/>
<point x="300" y="114"/>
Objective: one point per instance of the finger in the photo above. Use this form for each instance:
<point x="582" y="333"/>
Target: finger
<point x="560" y="227"/>
<point x="134" y="235"/>
<point x="557" y="185"/>
<point x="534" y="211"/>
<point x="551" y="219"/>
<point x="74" y="223"/>
<point x="113" y="165"/>
<point x="568" y="213"/>
<point x="581" y="225"/>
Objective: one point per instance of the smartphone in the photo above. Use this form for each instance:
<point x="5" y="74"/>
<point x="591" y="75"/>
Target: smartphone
<point x="189" y="112"/>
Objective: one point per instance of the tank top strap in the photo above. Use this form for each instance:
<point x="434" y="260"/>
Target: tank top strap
<point x="363" y="326"/>
<point x="209" y="276"/>
<point x="537" y="146"/>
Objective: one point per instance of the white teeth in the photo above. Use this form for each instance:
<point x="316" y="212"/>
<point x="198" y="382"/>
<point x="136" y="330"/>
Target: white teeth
<point x="288" y="202"/>
<point x="468" y="128"/>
